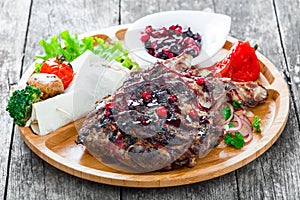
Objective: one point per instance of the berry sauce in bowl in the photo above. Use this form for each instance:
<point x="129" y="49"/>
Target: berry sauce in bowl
<point x="161" y="35"/>
<point x="165" y="43"/>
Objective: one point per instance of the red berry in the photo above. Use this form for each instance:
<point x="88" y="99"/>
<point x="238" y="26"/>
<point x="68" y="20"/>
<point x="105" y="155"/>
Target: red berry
<point x="109" y="105"/>
<point x="173" y="27"/>
<point x="165" y="51"/>
<point x="148" y="29"/>
<point x="156" y="34"/>
<point x="164" y="31"/>
<point x="188" y="41"/>
<point x="154" y="44"/>
<point x="193" y="113"/>
<point x="162" y="111"/>
<point x="107" y="113"/>
<point x="145" y="37"/>
<point x="151" y="51"/>
<point x="172" y="97"/>
<point x="178" y="29"/>
<point x="196" y="49"/>
<point x="170" y="55"/>
<point x="147" y="95"/>
<point x="200" y="81"/>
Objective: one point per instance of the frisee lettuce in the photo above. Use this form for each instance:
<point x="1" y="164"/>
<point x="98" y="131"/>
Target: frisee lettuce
<point x="71" y="47"/>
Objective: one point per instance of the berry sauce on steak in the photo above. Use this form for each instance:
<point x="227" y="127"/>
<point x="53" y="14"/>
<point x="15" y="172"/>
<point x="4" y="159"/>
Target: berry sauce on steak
<point x="159" y="119"/>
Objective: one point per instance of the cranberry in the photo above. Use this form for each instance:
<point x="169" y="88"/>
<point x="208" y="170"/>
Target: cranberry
<point x="170" y="55"/>
<point x="109" y="105"/>
<point x="165" y="51"/>
<point x="151" y="51"/>
<point x="178" y="30"/>
<point x="189" y="41"/>
<point x="154" y="44"/>
<point x="145" y="37"/>
<point x="147" y="96"/>
<point x="156" y="34"/>
<point x="173" y="27"/>
<point x="173" y="98"/>
<point x="193" y="113"/>
<point x="200" y="81"/>
<point x="162" y="112"/>
<point x="107" y="113"/>
<point x="164" y="31"/>
<point x="148" y="29"/>
<point x="196" y="49"/>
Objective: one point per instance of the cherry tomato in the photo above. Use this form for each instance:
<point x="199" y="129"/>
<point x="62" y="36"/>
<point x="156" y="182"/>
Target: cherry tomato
<point x="60" y="68"/>
<point x="241" y="63"/>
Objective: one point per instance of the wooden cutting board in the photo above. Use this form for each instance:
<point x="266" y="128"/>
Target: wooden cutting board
<point x="60" y="150"/>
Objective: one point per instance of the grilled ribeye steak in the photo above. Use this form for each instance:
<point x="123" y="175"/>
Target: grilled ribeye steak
<point x="159" y="119"/>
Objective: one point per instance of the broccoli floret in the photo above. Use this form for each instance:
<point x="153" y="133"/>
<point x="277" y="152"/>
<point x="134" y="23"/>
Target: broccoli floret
<point x="20" y="104"/>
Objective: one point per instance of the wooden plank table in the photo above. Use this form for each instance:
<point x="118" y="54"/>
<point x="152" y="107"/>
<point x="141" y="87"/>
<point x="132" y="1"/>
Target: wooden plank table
<point x="274" y="24"/>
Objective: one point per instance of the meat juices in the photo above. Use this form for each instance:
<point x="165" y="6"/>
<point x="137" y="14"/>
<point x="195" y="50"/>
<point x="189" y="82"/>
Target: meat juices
<point x="159" y="119"/>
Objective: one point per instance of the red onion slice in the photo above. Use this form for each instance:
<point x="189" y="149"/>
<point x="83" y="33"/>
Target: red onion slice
<point x="246" y="129"/>
<point x="249" y="138"/>
<point x="232" y="113"/>
<point x="236" y="128"/>
<point x="242" y="124"/>
<point x="246" y="120"/>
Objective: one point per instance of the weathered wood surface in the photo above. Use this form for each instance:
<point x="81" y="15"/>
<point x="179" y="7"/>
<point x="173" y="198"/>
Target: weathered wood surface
<point x="12" y="36"/>
<point x="29" y="176"/>
<point x="266" y="177"/>
<point x="274" y="24"/>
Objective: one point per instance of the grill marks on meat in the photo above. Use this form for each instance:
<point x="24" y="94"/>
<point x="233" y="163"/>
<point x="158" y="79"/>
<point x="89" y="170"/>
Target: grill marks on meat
<point x="161" y="118"/>
<point x="251" y="93"/>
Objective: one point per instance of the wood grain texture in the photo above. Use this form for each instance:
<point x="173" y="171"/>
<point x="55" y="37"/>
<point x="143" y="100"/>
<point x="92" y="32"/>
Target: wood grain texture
<point x="12" y="36"/>
<point x="274" y="169"/>
<point x="30" y="177"/>
<point x="288" y="18"/>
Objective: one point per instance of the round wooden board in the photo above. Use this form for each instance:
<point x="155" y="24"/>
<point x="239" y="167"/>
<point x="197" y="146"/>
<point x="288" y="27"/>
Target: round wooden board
<point x="60" y="150"/>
